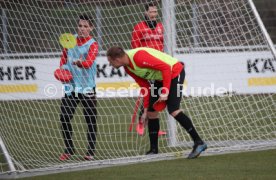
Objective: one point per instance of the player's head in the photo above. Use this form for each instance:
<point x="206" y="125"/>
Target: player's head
<point x="116" y="56"/>
<point x="151" y="11"/>
<point x="85" y="25"/>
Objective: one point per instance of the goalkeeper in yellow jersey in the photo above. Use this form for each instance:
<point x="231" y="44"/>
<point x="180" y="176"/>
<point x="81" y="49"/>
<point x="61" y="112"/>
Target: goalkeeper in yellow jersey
<point x="168" y="74"/>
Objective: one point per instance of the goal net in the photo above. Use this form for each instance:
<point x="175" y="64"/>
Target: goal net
<point x="229" y="90"/>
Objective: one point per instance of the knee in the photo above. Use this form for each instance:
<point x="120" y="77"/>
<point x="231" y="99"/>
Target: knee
<point x="153" y="115"/>
<point x="90" y="120"/>
<point x="64" y="118"/>
<point x="175" y="112"/>
<point x="90" y="112"/>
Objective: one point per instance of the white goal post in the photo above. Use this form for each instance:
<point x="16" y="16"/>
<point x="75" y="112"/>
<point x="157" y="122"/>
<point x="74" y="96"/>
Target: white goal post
<point x="229" y="90"/>
<point x="169" y="22"/>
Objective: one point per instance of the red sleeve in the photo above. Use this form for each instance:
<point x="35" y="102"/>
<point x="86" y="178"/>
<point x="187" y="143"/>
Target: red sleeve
<point x="136" y="37"/>
<point x="91" y="56"/>
<point x="145" y="60"/>
<point x="162" y="37"/>
<point x="63" y="59"/>
<point x="144" y="84"/>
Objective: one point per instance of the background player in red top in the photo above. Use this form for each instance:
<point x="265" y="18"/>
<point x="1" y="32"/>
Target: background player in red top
<point x="148" y="33"/>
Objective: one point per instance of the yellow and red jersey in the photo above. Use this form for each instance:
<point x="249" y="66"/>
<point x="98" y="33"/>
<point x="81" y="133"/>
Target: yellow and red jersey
<point x="144" y="59"/>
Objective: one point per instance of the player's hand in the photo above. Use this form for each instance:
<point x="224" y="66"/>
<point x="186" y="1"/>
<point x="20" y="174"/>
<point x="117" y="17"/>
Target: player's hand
<point x="144" y="116"/>
<point x="78" y="62"/>
<point x="163" y="97"/>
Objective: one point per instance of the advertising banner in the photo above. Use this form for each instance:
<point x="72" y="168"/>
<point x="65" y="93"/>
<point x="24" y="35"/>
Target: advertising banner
<point x="206" y="74"/>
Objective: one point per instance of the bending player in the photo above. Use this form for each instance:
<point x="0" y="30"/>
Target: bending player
<point x="168" y="73"/>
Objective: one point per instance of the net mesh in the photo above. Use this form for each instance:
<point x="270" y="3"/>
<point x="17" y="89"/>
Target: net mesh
<point x="212" y="37"/>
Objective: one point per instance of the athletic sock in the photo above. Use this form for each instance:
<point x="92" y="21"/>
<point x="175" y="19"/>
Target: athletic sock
<point x="186" y="123"/>
<point x="153" y="127"/>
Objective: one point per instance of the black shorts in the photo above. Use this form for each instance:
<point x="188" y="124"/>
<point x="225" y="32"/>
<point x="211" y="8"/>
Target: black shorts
<point x="175" y="94"/>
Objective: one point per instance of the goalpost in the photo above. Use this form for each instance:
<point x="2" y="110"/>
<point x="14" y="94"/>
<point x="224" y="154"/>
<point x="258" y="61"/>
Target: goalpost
<point x="197" y="12"/>
<point x="229" y="90"/>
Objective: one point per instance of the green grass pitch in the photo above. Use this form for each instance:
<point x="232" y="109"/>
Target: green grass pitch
<point x="31" y="131"/>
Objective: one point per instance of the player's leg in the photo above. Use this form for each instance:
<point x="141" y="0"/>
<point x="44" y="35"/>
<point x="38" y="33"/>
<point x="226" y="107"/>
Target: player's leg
<point x="89" y="103"/>
<point x="173" y="104"/>
<point x="68" y="106"/>
<point x="140" y="124"/>
<point x="153" y="119"/>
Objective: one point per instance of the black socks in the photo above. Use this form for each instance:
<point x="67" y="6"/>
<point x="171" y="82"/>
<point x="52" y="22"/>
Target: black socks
<point x="186" y="123"/>
<point x="153" y="126"/>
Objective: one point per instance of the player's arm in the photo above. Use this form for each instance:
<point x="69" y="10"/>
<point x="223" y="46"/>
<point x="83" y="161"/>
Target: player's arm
<point x="136" y="37"/>
<point x="161" y="38"/>
<point x="162" y="34"/>
<point x="145" y="87"/>
<point x="145" y="60"/>
<point x="63" y="59"/>
<point x="91" y="57"/>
